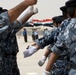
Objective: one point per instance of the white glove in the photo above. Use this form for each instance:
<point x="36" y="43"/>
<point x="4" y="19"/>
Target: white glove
<point x="30" y="51"/>
<point x="46" y="73"/>
<point x="35" y="10"/>
<point x="42" y="61"/>
<point x="25" y="13"/>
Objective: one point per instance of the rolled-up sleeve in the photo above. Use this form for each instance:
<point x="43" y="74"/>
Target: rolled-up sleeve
<point x="59" y="46"/>
<point x="56" y="50"/>
<point x="17" y="26"/>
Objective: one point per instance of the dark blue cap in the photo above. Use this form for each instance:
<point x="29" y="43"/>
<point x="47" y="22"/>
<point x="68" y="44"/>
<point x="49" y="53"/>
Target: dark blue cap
<point x="58" y="19"/>
<point x="0" y="8"/>
<point x="63" y="8"/>
<point x="71" y="3"/>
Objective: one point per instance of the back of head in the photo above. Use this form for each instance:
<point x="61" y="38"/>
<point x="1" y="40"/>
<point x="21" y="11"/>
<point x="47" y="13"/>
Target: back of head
<point x="58" y="19"/>
<point x="24" y="28"/>
<point x="2" y="10"/>
<point x="71" y="7"/>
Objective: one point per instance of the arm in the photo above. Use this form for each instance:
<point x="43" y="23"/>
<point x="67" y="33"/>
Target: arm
<point x="46" y="54"/>
<point x="40" y="43"/>
<point x="27" y="14"/>
<point x="44" y="41"/>
<point x="57" y="49"/>
<point x="17" y="10"/>
<point x="23" y="18"/>
<point x="50" y="63"/>
<point x="6" y="27"/>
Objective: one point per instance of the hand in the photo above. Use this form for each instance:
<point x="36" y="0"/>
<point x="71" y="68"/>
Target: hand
<point x="35" y="10"/>
<point x="36" y="46"/>
<point x="30" y="51"/>
<point x="27" y="47"/>
<point x="41" y="62"/>
<point x="26" y="14"/>
<point x="31" y="2"/>
<point x="46" y="73"/>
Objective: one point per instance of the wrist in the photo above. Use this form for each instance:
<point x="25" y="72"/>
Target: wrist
<point x="46" y="72"/>
<point x="44" y="58"/>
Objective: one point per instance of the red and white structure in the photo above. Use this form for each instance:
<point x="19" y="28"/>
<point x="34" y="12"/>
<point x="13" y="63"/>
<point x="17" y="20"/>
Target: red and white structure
<point x="44" y="21"/>
<point x="37" y="21"/>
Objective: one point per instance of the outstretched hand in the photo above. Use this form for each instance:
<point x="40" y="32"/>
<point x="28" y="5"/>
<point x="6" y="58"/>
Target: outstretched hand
<point x="30" y="50"/>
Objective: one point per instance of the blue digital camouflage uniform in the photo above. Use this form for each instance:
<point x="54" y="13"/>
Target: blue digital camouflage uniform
<point x="61" y="65"/>
<point x="72" y="72"/>
<point x="11" y="50"/>
<point x="67" y="40"/>
<point x="4" y="30"/>
<point x="8" y="46"/>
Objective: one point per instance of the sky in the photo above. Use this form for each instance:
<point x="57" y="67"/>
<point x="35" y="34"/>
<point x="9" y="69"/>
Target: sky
<point x="47" y="8"/>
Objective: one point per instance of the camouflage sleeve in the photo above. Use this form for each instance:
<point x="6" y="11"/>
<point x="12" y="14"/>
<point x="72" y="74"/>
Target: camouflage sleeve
<point x="60" y="45"/>
<point x="50" y="46"/>
<point x="56" y="50"/>
<point x="4" y="30"/>
<point x="44" y="41"/>
<point x="17" y="26"/>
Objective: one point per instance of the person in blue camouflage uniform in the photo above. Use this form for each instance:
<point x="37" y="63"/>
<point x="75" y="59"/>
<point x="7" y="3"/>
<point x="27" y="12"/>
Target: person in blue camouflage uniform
<point x="9" y="45"/>
<point x="8" y="63"/>
<point x="5" y="60"/>
<point x="5" y="29"/>
<point x="11" y="49"/>
<point x="60" y="67"/>
<point x="56" y="21"/>
<point x="66" y="40"/>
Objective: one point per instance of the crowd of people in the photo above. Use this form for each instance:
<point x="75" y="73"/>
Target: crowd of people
<point x="61" y="41"/>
